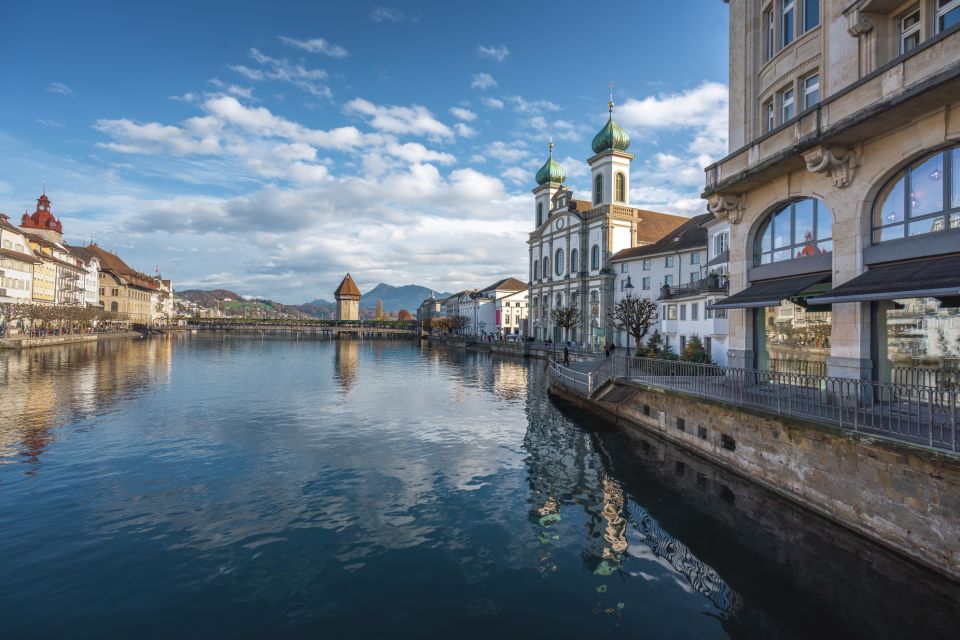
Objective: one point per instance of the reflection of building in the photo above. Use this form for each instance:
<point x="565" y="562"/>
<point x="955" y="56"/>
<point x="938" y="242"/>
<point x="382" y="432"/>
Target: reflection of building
<point x="347" y="357"/>
<point x="348" y="299"/>
<point x="573" y="240"/>
<point x="842" y="185"/>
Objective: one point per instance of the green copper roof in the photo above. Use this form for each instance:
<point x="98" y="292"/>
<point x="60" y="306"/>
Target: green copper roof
<point x="551" y="171"/>
<point x="611" y="137"/>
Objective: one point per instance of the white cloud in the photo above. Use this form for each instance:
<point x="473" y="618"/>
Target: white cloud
<point x="48" y="122"/>
<point x="506" y="153"/>
<point x="499" y="53"/>
<point x="282" y="70"/>
<point x="414" y="120"/>
<point x="463" y="114"/>
<point x="522" y="105"/>
<point x="389" y="14"/>
<point x="482" y="81"/>
<point x="492" y="103"/>
<point x="59" y="87"/>
<point x="464" y="131"/>
<point x="316" y="45"/>
<point x="517" y="175"/>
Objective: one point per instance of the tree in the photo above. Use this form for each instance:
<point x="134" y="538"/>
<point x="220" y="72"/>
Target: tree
<point x="695" y="351"/>
<point x="378" y="314"/>
<point x="404" y="316"/>
<point x="441" y="324"/>
<point x="426" y="324"/>
<point x="566" y="317"/>
<point x="459" y="324"/>
<point x="654" y="345"/>
<point x="635" y="316"/>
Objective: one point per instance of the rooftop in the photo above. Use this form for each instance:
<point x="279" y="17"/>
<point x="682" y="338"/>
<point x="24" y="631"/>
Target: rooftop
<point x="688" y="235"/>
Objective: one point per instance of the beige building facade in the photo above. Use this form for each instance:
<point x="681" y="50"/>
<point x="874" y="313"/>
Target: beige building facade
<point x="347" y="296"/>
<point x="842" y="187"/>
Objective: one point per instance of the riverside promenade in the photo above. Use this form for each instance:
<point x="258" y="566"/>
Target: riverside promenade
<point x="28" y="342"/>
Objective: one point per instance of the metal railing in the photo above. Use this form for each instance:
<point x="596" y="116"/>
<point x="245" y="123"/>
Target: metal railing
<point x="580" y="382"/>
<point x="713" y="283"/>
<point x="924" y="415"/>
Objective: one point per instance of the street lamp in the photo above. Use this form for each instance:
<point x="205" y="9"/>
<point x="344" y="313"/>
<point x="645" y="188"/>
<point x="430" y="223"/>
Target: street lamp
<point x="629" y="288"/>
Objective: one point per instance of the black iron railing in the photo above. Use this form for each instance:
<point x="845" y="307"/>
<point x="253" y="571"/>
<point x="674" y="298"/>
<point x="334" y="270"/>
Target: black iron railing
<point x="714" y="283"/>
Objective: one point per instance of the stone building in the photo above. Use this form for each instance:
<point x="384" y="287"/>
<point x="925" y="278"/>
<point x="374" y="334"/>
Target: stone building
<point x="124" y="290"/>
<point x="16" y="264"/>
<point x="573" y="240"/>
<point x="59" y="278"/>
<point x="348" y="299"/>
<point x="842" y="185"/>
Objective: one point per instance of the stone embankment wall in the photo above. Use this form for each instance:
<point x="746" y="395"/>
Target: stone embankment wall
<point x="906" y="498"/>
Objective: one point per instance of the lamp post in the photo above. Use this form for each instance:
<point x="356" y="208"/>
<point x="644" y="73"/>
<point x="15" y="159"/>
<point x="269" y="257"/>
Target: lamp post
<point x="629" y="288"/>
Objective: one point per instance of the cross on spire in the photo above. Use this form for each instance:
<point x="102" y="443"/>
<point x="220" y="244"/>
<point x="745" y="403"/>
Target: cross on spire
<point x="610" y="105"/>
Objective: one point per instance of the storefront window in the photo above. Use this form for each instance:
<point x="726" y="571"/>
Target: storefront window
<point x="792" y="339"/>
<point x="918" y="342"/>
<point x="923" y="198"/>
<point x="799" y="229"/>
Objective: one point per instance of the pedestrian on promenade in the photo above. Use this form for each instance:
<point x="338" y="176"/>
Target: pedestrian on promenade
<point x="566" y="356"/>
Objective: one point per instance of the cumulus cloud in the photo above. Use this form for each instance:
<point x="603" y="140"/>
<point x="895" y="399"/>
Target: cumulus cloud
<point x="414" y="120"/>
<point x="49" y="122"/>
<point x="492" y="103"/>
<point x="522" y="105"/>
<point x="482" y="81"/>
<point x="464" y="131"/>
<point x="59" y="87"/>
<point x="463" y="114"/>
<point x="316" y="45"/>
<point x="389" y="14"/>
<point x="499" y="53"/>
<point x="282" y="70"/>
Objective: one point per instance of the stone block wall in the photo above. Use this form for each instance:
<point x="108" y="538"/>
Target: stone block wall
<point x="906" y="498"/>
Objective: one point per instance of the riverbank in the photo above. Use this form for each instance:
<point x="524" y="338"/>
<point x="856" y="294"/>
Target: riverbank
<point x="73" y="338"/>
<point x="903" y="497"/>
<point x="518" y="349"/>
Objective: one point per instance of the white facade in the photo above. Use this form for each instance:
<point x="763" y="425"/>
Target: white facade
<point x="16" y="265"/>
<point x="511" y="314"/>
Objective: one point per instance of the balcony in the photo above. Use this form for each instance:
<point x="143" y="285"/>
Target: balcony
<point x="713" y="283"/>
<point x="924" y="80"/>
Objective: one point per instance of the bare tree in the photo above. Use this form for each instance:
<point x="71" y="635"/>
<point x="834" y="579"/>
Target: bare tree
<point x="441" y="324"/>
<point x="566" y="317"/>
<point x="459" y="324"/>
<point x="635" y="316"/>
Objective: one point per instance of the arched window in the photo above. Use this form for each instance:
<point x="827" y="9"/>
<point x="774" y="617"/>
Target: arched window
<point x="923" y="198"/>
<point x="114" y="306"/>
<point x="536" y="269"/>
<point x="539" y="214"/>
<point x="598" y="189"/>
<point x="558" y="262"/>
<point x="546" y="266"/>
<point x="798" y="229"/>
<point x="621" y="184"/>
<point x="559" y="300"/>
<point x="595" y="257"/>
<point x="574" y="261"/>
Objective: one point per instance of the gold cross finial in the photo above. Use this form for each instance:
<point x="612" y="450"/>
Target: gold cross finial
<point x="611" y="85"/>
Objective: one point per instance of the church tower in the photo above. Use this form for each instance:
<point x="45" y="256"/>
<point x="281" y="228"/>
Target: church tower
<point x="42" y="222"/>
<point x="348" y="299"/>
<point x="550" y="179"/>
<point x="610" y="165"/>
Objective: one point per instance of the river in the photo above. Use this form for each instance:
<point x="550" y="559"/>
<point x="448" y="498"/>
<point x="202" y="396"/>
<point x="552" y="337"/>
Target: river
<point x="199" y="486"/>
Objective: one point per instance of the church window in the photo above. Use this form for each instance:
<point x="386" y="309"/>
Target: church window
<point x="558" y="262"/>
<point x="598" y="189"/>
<point x="621" y="188"/>
<point x="546" y="266"/>
<point x="575" y="261"/>
<point x="536" y="269"/>
<point x="595" y="257"/>
<point x="539" y="214"/>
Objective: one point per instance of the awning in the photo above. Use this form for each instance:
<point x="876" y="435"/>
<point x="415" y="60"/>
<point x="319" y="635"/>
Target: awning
<point x="937" y="277"/>
<point x="770" y="293"/>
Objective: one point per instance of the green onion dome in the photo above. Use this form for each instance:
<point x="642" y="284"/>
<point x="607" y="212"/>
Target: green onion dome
<point x="551" y="171"/>
<point x="611" y="137"/>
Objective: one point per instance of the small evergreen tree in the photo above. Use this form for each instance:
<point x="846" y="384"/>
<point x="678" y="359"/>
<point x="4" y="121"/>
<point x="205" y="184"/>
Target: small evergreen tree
<point x="654" y="345"/>
<point x="695" y="352"/>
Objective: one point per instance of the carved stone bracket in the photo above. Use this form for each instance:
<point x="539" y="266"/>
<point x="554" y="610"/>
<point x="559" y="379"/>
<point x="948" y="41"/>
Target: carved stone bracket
<point x="837" y="162"/>
<point x="860" y="25"/>
<point x="726" y="206"/>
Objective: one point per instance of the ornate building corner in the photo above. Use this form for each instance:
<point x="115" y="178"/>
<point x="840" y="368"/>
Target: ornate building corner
<point x="726" y="206"/>
<point x="837" y="162"/>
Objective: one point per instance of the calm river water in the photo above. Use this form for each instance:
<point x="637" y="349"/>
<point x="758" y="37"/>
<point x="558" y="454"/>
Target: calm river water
<point x="201" y="486"/>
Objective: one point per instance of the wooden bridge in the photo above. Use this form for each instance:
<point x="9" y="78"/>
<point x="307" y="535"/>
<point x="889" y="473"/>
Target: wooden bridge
<point x="328" y="329"/>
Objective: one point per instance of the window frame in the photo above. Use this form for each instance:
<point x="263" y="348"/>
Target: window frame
<point x="913" y="30"/>
<point x="807" y="91"/>
<point x="766" y="228"/>
<point x="539" y="214"/>
<point x="598" y="189"/>
<point x="769" y="36"/>
<point x="558" y="263"/>
<point x="805" y="6"/>
<point x="770" y="116"/>
<point x="787" y="31"/>
<point x="792" y="92"/>
<point x="595" y="257"/>
<point x="942" y="10"/>
<point x="620" y="191"/>
<point x="574" y="259"/>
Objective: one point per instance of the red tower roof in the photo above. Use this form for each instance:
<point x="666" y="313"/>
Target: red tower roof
<point x="42" y="218"/>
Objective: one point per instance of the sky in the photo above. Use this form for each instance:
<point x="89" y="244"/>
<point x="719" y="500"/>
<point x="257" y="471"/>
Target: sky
<point x="270" y="147"/>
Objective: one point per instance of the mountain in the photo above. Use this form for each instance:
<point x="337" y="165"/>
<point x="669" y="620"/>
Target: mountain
<point x="233" y="304"/>
<point x="394" y="298"/>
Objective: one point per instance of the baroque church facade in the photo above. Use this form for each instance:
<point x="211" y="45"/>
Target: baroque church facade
<point x="573" y="240"/>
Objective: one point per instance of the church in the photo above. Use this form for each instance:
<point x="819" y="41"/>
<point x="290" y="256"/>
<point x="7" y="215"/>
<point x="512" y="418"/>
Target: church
<point x="573" y="240"/>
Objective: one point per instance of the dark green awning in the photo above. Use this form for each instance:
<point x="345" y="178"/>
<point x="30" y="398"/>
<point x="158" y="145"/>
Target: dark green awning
<point x="937" y="277"/>
<point x="770" y="293"/>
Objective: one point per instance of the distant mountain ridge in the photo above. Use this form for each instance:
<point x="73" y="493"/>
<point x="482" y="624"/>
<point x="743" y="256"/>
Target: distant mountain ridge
<point x="394" y="298"/>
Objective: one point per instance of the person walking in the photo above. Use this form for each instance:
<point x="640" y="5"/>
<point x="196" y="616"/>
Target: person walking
<point x="566" y="356"/>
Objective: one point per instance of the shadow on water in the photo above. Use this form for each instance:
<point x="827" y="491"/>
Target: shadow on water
<point x="778" y="569"/>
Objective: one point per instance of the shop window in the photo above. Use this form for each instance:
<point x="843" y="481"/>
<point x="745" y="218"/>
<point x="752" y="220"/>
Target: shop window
<point x="923" y="198"/>
<point x="800" y="229"/>
<point x="792" y="339"/>
<point x="918" y="342"/>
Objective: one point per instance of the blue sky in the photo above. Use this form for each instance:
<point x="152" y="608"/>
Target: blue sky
<point x="270" y="147"/>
